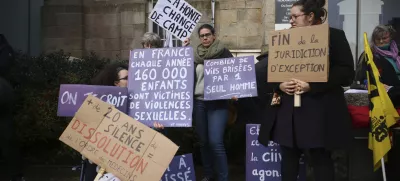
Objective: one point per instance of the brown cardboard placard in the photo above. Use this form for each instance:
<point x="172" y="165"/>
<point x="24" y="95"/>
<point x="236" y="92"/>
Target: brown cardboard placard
<point x="123" y="146"/>
<point x="301" y="53"/>
<point x="84" y="123"/>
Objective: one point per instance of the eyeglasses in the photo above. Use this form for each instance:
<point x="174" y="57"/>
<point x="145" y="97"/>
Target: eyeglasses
<point x="294" y="17"/>
<point x="124" y="78"/>
<point x="383" y="39"/>
<point x="205" y="35"/>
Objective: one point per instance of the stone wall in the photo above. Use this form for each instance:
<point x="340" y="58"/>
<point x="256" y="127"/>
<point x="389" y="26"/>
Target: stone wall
<point x="108" y="28"/>
<point x="113" y="27"/>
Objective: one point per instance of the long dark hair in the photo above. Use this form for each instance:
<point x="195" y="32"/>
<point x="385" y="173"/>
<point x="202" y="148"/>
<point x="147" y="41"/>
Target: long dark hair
<point x="314" y="6"/>
<point x="109" y="74"/>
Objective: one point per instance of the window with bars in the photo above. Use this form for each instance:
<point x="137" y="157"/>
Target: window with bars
<point x="159" y="30"/>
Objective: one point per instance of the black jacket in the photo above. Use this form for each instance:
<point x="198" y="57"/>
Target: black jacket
<point x="387" y="73"/>
<point x="323" y="119"/>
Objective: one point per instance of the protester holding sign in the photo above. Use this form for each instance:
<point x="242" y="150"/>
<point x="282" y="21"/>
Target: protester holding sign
<point x="113" y="74"/>
<point x="322" y="123"/>
<point x="210" y="116"/>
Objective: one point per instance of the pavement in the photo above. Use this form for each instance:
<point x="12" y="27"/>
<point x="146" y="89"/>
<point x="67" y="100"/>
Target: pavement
<point x="65" y="173"/>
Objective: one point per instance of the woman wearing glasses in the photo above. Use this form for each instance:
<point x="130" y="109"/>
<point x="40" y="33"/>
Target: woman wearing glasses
<point x="116" y="74"/>
<point x="322" y="123"/>
<point x="113" y="74"/>
<point x="210" y="116"/>
<point x="387" y="59"/>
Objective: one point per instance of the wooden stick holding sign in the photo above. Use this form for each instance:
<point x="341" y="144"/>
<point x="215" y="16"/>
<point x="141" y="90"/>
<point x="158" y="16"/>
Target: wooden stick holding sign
<point x="100" y="174"/>
<point x="297" y="100"/>
<point x="297" y="97"/>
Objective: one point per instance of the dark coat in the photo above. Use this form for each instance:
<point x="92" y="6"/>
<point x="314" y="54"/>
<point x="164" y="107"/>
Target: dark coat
<point x="323" y="119"/>
<point x="386" y="70"/>
<point x="387" y="73"/>
<point x="250" y="106"/>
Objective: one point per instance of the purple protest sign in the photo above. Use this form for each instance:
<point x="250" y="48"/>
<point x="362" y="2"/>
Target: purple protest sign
<point x="180" y="168"/>
<point x="264" y="163"/>
<point x="161" y="86"/>
<point x="229" y="77"/>
<point x="71" y="97"/>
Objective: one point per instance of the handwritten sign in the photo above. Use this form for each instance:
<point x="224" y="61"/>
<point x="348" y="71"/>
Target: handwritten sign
<point x="264" y="163"/>
<point x="161" y="85"/>
<point x="228" y="77"/>
<point x="300" y="53"/>
<point x="118" y="143"/>
<point x="181" y="168"/>
<point x="175" y="16"/>
<point x="71" y="97"/>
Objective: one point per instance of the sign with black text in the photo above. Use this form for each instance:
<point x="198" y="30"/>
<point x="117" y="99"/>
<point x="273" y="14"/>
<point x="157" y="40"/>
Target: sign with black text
<point x="301" y="53"/>
<point x="161" y="86"/>
<point x="175" y="16"/>
<point x="229" y="77"/>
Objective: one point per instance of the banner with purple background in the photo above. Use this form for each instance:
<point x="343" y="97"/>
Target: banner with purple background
<point x="161" y="85"/>
<point x="71" y="97"/>
<point x="229" y="77"/>
<point x="264" y="163"/>
<point x="181" y="168"/>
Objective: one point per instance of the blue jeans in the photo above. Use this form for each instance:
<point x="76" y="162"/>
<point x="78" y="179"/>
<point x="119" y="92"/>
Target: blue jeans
<point x="211" y="118"/>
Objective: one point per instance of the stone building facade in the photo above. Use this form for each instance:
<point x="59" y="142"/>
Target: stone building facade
<point x="113" y="27"/>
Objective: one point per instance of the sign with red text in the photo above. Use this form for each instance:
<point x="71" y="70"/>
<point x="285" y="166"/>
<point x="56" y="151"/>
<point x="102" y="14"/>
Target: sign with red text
<point x="176" y="16"/>
<point x="301" y="53"/>
<point x="113" y="140"/>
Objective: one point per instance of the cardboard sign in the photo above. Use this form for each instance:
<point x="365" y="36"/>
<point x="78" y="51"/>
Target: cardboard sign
<point x="71" y="97"/>
<point x="161" y="85"/>
<point x="229" y="77"/>
<point x="175" y="16"/>
<point x="123" y="146"/>
<point x="301" y="53"/>
<point x="264" y="163"/>
<point x="181" y="168"/>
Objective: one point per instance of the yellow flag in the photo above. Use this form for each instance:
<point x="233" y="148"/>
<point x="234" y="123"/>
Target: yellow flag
<point x="382" y="114"/>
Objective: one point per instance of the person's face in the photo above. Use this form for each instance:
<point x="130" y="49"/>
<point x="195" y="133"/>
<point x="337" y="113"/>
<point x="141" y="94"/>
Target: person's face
<point x="299" y="19"/>
<point x="206" y="37"/>
<point x="383" y="40"/>
<point x="122" y="79"/>
<point x="146" y="46"/>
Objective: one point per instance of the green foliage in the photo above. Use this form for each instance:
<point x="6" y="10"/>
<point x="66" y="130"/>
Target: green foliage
<point x="37" y="81"/>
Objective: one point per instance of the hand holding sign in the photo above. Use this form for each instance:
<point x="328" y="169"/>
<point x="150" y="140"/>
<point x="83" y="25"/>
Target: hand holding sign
<point x="301" y="86"/>
<point x="288" y="87"/>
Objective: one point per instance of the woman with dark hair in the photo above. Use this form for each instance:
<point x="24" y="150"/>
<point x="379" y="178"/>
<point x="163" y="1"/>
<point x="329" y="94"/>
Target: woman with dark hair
<point x="322" y="123"/>
<point x="113" y="74"/>
<point x="210" y="116"/>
